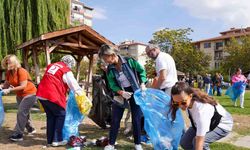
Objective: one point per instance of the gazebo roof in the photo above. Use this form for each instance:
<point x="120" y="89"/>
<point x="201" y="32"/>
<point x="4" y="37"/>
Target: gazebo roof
<point x="80" y="40"/>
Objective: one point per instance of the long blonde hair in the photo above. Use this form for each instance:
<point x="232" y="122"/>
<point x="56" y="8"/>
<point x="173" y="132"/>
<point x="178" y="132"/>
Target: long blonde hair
<point x="13" y="59"/>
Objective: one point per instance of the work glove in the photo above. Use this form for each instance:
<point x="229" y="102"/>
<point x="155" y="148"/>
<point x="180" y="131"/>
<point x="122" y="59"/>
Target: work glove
<point x="143" y="87"/>
<point x="79" y="92"/>
<point x="6" y="91"/>
<point x="126" y="95"/>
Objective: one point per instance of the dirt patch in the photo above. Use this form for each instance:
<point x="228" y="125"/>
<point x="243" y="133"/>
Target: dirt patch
<point x="241" y="124"/>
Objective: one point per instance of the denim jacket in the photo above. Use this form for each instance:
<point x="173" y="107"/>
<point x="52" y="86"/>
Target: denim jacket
<point x="134" y="72"/>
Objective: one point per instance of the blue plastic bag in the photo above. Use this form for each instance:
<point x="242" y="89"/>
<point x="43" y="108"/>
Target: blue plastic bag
<point x="235" y="90"/>
<point x="1" y="109"/>
<point x="73" y="118"/>
<point x="163" y="133"/>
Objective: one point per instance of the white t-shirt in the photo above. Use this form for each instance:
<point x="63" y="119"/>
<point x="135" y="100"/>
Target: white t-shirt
<point x="202" y="114"/>
<point x="124" y="80"/>
<point x="165" y="61"/>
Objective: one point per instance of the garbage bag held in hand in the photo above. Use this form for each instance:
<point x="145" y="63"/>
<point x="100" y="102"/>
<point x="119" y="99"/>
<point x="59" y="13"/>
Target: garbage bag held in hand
<point x="84" y="104"/>
<point x="100" y="112"/>
<point x="163" y="133"/>
<point x="235" y="90"/>
<point x="1" y="109"/>
<point x="73" y="118"/>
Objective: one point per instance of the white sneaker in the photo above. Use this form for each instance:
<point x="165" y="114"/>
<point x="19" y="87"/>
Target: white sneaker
<point x="55" y="144"/>
<point x="138" y="147"/>
<point x="109" y="147"/>
<point x="241" y="106"/>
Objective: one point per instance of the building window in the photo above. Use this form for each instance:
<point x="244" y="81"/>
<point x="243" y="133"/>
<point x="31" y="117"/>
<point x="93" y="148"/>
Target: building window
<point x="216" y="65"/>
<point x="76" y="8"/>
<point x="218" y="44"/>
<point x="207" y="45"/>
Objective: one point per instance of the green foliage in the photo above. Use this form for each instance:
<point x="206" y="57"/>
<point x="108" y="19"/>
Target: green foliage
<point x="239" y="52"/>
<point x="150" y="68"/>
<point x="22" y="20"/>
<point x="187" y="58"/>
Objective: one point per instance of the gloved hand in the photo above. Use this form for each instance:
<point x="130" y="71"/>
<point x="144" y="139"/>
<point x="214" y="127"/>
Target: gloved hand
<point x="79" y="92"/>
<point x="6" y="91"/>
<point x="126" y="95"/>
<point x="143" y="87"/>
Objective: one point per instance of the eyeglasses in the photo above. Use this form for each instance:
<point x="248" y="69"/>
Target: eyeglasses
<point x="179" y="103"/>
<point x="150" y="50"/>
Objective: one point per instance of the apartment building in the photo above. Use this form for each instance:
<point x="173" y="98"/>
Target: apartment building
<point x="80" y="14"/>
<point x="134" y="49"/>
<point x="215" y="46"/>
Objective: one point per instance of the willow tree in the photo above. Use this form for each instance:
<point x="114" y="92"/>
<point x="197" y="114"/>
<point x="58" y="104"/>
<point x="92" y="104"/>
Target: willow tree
<point x="22" y="20"/>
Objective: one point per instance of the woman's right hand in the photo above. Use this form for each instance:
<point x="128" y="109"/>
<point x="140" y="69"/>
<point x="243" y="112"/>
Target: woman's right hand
<point x="125" y="94"/>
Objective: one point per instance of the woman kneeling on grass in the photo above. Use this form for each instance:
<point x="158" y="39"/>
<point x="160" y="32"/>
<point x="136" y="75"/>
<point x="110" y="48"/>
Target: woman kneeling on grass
<point x="210" y="121"/>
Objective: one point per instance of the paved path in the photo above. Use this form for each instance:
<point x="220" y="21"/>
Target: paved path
<point x="236" y="139"/>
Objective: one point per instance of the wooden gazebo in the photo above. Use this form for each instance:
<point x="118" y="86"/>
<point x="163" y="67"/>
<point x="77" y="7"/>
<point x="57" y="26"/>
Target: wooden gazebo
<point x="77" y="41"/>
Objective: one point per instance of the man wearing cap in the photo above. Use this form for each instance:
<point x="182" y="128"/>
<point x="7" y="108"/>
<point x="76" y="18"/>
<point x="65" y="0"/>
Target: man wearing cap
<point x="165" y="68"/>
<point x="52" y="91"/>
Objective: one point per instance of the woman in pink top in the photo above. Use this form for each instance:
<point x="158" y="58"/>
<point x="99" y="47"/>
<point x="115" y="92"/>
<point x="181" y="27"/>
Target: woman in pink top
<point x="238" y="77"/>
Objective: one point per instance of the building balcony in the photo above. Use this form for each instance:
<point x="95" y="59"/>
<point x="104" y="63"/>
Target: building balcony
<point x="218" y="57"/>
<point x="218" y="48"/>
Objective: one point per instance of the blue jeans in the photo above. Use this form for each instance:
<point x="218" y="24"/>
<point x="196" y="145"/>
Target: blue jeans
<point x="188" y="139"/>
<point x="55" y="121"/>
<point x="117" y="113"/>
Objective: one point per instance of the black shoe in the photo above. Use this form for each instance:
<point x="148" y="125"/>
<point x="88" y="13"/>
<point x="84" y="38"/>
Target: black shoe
<point x="31" y="130"/>
<point x="16" y="137"/>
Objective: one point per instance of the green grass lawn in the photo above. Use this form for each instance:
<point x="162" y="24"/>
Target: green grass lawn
<point x="228" y="104"/>
<point x="225" y="146"/>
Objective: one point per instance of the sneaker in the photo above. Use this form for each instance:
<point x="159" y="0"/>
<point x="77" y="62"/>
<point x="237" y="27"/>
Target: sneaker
<point x="138" y="147"/>
<point x="241" y="106"/>
<point x="61" y="143"/>
<point x="31" y="131"/>
<point x="109" y="147"/>
<point x="16" y="137"/>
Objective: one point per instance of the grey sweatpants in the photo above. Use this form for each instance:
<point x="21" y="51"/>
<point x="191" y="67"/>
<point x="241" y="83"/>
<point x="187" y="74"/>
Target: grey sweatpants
<point x="23" y="114"/>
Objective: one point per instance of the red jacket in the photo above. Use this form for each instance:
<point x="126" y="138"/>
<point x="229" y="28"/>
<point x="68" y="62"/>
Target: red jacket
<point x="52" y="86"/>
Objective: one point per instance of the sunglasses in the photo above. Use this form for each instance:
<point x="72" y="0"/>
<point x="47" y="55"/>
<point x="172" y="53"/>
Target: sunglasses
<point x="179" y="103"/>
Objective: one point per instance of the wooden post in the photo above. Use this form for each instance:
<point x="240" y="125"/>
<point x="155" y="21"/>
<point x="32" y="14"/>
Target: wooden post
<point x="47" y="53"/>
<point x="78" y="63"/>
<point x="89" y="81"/>
<point x="36" y="65"/>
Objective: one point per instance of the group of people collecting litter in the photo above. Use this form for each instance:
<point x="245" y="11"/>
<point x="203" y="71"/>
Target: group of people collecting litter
<point x="209" y="120"/>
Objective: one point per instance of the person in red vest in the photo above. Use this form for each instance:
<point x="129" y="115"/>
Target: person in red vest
<point x="51" y="92"/>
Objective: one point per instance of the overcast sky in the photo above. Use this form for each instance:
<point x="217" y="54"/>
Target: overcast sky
<point x="120" y="20"/>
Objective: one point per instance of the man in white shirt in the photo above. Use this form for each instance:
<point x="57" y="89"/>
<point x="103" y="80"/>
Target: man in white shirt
<point x="165" y="68"/>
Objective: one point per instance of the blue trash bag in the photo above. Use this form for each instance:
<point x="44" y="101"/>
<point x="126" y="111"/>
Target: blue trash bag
<point x="1" y="109"/>
<point x="235" y="90"/>
<point x="163" y="133"/>
<point x="73" y="118"/>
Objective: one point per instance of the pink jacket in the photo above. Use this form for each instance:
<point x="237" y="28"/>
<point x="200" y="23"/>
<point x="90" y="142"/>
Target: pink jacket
<point x="237" y="78"/>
